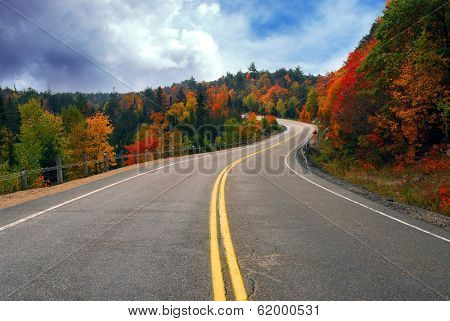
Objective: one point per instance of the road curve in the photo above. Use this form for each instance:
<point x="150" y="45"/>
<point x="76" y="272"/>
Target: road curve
<point x="147" y="235"/>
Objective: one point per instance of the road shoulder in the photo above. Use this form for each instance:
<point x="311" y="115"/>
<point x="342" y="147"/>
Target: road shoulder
<point x="410" y="210"/>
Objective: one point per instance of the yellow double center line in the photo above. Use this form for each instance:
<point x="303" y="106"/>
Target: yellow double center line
<point x="218" y="197"/>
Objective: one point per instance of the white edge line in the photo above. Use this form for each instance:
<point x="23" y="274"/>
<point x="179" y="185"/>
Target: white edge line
<point x="5" y="227"/>
<point x="350" y="200"/>
<point x="83" y="196"/>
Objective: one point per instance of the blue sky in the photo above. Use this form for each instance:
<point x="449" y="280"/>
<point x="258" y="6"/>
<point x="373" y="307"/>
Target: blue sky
<point x="267" y="18"/>
<point x="272" y="17"/>
<point x="97" y="45"/>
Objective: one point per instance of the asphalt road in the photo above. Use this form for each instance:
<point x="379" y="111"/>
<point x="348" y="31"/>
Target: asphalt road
<point x="146" y="235"/>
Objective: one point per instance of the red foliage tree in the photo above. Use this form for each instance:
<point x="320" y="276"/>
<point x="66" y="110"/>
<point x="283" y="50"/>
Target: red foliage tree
<point x="139" y="148"/>
<point x="347" y="110"/>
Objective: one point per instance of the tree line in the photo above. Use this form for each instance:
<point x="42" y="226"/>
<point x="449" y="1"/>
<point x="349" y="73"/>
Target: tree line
<point x="38" y="127"/>
<point x="388" y="105"/>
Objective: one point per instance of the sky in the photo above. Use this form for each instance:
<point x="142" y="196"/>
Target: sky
<point x="90" y="46"/>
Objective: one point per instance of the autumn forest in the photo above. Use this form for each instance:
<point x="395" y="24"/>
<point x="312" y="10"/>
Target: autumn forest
<point x="382" y="117"/>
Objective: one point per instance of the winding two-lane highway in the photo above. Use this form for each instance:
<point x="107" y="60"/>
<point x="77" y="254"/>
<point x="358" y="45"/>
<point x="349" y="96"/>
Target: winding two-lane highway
<point x="245" y="223"/>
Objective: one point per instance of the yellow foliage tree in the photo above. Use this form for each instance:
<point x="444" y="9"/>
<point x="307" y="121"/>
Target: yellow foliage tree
<point x="191" y="100"/>
<point x="179" y="112"/>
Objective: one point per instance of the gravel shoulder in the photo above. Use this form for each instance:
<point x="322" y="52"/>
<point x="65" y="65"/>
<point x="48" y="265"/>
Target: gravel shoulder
<point x="413" y="211"/>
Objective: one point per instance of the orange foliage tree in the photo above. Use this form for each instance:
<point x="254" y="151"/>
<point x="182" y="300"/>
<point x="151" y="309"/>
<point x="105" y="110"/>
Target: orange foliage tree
<point x="274" y="93"/>
<point x="98" y="131"/>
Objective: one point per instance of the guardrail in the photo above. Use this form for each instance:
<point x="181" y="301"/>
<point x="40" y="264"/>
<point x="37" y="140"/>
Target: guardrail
<point x="105" y="164"/>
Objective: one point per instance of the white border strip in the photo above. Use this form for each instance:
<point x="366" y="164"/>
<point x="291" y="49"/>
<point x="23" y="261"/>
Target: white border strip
<point x="355" y="202"/>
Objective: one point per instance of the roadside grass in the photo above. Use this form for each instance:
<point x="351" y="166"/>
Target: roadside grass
<point x="410" y="185"/>
<point x="7" y="185"/>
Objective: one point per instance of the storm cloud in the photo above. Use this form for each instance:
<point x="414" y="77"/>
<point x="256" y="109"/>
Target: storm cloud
<point x="97" y="45"/>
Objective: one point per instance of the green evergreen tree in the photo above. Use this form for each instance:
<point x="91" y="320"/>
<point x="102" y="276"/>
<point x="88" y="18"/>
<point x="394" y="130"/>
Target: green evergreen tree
<point x="161" y="100"/>
<point x="82" y="104"/>
<point x="181" y="97"/>
<point x="12" y="119"/>
<point x="2" y="109"/>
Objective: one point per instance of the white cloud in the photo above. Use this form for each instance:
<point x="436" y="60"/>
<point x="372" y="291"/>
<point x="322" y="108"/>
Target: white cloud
<point x="151" y="43"/>
<point x="319" y="44"/>
<point x="208" y="9"/>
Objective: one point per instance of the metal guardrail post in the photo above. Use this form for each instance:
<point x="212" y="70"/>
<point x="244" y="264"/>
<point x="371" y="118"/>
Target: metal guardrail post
<point x="59" y="173"/>
<point x="105" y="162"/>
<point x="121" y="159"/>
<point x="85" y="166"/>
<point x="23" y="180"/>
